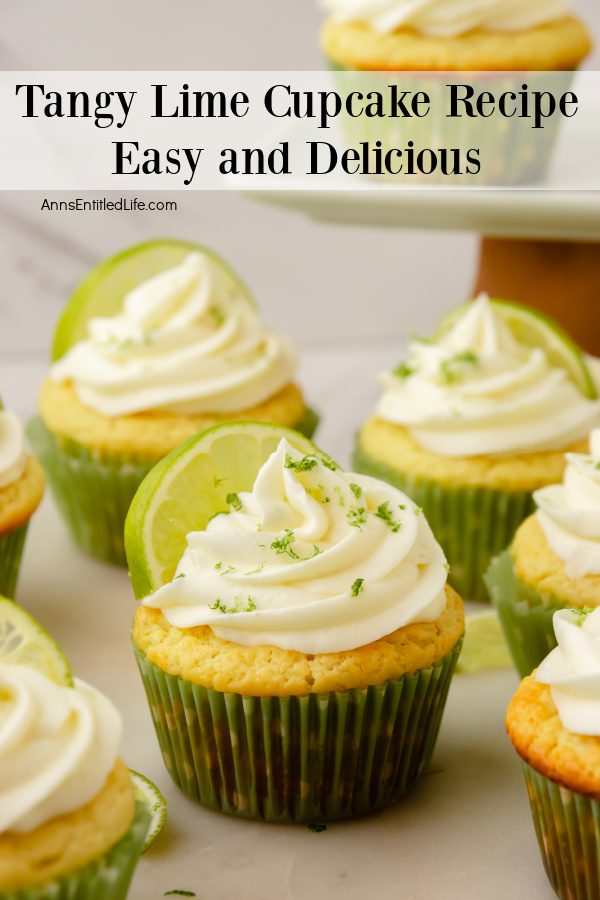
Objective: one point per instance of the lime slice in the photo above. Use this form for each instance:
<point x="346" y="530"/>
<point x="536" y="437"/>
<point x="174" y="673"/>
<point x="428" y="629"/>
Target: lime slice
<point x="23" y="642"/>
<point x="535" y="329"/>
<point x="484" y="646"/>
<point x="188" y="487"/>
<point x="102" y="291"/>
<point x="147" y="792"/>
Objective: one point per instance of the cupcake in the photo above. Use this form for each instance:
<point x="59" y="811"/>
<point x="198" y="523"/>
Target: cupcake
<point x="430" y="40"/>
<point x="554" y="724"/>
<point x="156" y="344"/>
<point x="21" y="490"/>
<point x="553" y="562"/>
<point x="297" y="659"/>
<point x="474" y="421"/>
<point x="70" y="827"/>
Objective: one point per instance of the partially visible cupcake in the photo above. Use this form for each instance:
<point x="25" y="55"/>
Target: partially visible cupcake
<point x="427" y="41"/>
<point x="298" y="660"/>
<point x="179" y="346"/>
<point x="553" y="562"/>
<point x="553" y="722"/>
<point x="477" y="419"/>
<point x="21" y="491"/>
<point x="70" y="828"/>
<point x="453" y="35"/>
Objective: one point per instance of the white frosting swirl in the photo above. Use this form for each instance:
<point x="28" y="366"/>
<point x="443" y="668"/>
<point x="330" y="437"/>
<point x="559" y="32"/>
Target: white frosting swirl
<point x="314" y="559"/>
<point x="12" y="448"/>
<point x="448" y="18"/>
<point x="57" y="747"/>
<point x="185" y="342"/>
<point x="569" y="513"/>
<point x="572" y="670"/>
<point x="478" y="391"/>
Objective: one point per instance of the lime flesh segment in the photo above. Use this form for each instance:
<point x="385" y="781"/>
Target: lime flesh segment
<point x="145" y="791"/>
<point x="188" y="487"/>
<point x="535" y="329"/>
<point x="484" y="645"/>
<point x="103" y="290"/>
<point x="23" y="642"/>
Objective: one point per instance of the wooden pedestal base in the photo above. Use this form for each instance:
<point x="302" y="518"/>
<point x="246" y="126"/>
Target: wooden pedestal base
<point x="558" y="277"/>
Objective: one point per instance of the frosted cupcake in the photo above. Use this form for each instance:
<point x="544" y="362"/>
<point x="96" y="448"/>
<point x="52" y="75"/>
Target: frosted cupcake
<point x="69" y="824"/>
<point x="554" y="724"/>
<point x="155" y="345"/>
<point x="553" y="562"/>
<point x="453" y="35"/>
<point x="425" y="37"/>
<point x="298" y="658"/>
<point x="475" y="421"/>
<point x="21" y="490"/>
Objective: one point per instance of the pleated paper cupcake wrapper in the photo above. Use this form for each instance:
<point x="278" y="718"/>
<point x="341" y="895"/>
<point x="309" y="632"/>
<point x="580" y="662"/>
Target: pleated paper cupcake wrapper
<point x="92" y="491"/>
<point x="11" y="551"/>
<point x="524" y="613"/>
<point x="510" y="150"/>
<point x="567" y="826"/>
<point x="107" y="878"/>
<point x="314" y="758"/>
<point x="472" y="524"/>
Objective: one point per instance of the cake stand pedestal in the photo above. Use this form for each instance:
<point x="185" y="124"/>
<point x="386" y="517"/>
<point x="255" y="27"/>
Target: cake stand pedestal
<point x="561" y="278"/>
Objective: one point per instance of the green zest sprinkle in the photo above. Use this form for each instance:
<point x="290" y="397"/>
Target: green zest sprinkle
<point x="217" y="314"/>
<point x="257" y="570"/>
<point x="329" y="464"/>
<point x="357" y="516"/>
<point x="219" y="606"/>
<point x="302" y="465"/>
<point x="234" y="501"/>
<point x="418" y="510"/>
<point x="384" y="512"/>
<point x="451" y="369"/>
<point x="318" y="493"/>
<point x="447" y="567"/>
<point x="582" y="614"/>
<point x="340" y="496"/>
<point x="356" y="490"/>
<point x="317" y="827"/>
<point x="403" y="371"/>
<point x="181" y="575"/>
<point x="357" y="587"/>
<point x="284" y="543"/>
<point x="177" y="892"/>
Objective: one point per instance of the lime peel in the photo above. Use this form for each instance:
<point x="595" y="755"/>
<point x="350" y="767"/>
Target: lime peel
<point x="536" y="329"/>
<point x="484" y="644"/>
<point x="147" y="792"/>
<point x="189" y="486"/>
<point x="103" y="290"/>
<point x="24" y="642"/>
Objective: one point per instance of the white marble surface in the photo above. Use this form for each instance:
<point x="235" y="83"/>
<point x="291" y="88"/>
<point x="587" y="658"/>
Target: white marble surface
<point x="464" y="834"/>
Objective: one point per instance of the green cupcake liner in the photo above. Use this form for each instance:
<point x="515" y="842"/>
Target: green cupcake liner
<point x="11" y="551"/>
<point x="567" y="825"/>
<point x="318" y="757"/>
<point x="94" y="490"/>
<point x="472" y="524"/>
<point x="107" y="878"/>
<point x="524" y="613"/>
<point x="510" y="151"/>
